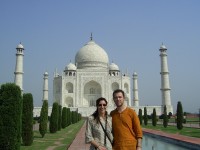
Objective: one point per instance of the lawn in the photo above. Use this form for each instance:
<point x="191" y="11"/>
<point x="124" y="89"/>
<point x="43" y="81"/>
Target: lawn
<point x="192" y="132"/>
<point x="60" y="140"/>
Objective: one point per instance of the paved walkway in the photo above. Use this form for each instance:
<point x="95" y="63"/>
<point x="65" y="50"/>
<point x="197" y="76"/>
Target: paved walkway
<point x="79" y="141"/>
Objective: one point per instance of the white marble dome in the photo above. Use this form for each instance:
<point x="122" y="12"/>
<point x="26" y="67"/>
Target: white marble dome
<point x="91" y="55"/>
<point x="135" y="74"/>
<point x="71" y="66"/>
<point x="113" y="66"/>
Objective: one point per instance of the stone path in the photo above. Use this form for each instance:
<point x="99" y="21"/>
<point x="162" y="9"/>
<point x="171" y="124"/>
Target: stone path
<point x="79" y="142"/>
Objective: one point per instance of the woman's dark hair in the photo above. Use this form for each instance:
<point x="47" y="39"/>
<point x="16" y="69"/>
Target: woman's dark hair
<point x="96" y="114"/>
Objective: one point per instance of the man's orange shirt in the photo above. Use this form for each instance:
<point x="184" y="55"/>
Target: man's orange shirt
<point x="126" y="129"/>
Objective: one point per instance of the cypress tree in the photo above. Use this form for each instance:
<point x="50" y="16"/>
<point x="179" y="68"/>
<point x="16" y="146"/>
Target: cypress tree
<point x="11" y="114"/>
<point x="145" y="116"/>
<point x="140" y="116"/>
<point x="64" y="117"/>
<point x="73" y="117"/>
<point x="154" y="118"/>
<point x="53" y="125"/>
<point x="43" y="118"/>
<point x="59" y="117"/>
<point x="165" y="117"/>
<point x="179" y="114"/>
<point x="27" y="119"/>
<point x="76" y="116"/>
<point x="68" y="117"/>
<point x="79" y="116"/>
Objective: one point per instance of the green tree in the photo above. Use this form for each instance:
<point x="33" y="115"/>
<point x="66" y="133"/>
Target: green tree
<point x="79" y="116"/>
<point x="10" y="116"/>
<point x="140" y="116"/>
<point x="73" y="117"/>
<point x="179" y="114"/>
<point x="53" y="125"/>
<point x="154" y="118"/>
<point x="27" y="119"/>
<point x="69" y="120"/>
<point x="145" y="116"/>
<point x="64" y="117"/>
<point x="59" y="117"/>
<point x="165" y="117"/>
<point x="43" y="123"/>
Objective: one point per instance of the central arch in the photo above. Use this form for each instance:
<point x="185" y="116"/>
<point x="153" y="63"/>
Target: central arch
<point x="92" y="91"/>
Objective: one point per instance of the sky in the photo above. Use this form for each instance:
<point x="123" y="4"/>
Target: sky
<point x="130" y="31"/>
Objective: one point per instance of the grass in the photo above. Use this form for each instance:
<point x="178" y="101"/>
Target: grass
<point x="60" y="140"/>
<point x="192" y="132"/>
<point x="188" y="120"/>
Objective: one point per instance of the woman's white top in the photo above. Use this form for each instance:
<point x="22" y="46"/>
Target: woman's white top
<point x="95" y="132"/>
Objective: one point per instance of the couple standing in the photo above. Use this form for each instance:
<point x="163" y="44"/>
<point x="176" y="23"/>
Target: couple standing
<point x="118" y="131"/>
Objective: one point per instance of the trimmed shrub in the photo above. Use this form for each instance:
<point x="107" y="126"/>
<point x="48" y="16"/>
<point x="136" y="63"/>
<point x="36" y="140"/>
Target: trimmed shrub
<point x="43" y="121"/>
<point x="179" y="114"/>
<point x="64" y="117"/>
<point x="145" y="116"/>
<point x="154" y="118"/>
<point x="10" y="116"/>
<point x="165" y="117"/>
<point x="140" y="116"/>
<point x="59" y="117"/>
<point x="53" y="125"/>
<point x="27" y="119"/>
<point x="69" y="120"/>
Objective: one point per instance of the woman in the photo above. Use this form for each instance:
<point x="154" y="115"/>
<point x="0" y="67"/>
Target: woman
<point x="99" y="127"/>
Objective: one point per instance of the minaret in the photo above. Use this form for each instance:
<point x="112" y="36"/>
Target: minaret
<point x="45" y="87"/>
<point x="135" y="90"/>
<point x="19" y="66"/>
<point x="165" y="86"/>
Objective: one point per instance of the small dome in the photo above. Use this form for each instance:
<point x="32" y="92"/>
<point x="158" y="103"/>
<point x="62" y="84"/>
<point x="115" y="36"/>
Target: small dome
<point x="20" y="46"/>
<point x="91" y="55"/>
<point x="163" y="47"/>
<point x="46" y="73"/>
<point x="135" y="74"/>
<point x="71" y="66"/>
<point x="113" y="66"/>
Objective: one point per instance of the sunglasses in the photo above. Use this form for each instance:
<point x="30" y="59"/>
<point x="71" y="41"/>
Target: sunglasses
<point x="102" y="105"/>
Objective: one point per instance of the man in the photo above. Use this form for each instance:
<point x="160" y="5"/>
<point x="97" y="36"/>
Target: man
<point x="126" y="125"/>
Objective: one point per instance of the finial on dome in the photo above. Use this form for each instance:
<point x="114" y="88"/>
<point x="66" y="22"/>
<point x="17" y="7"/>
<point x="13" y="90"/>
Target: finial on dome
<point x="91" y="37"/>
<point x="163" y="46"/>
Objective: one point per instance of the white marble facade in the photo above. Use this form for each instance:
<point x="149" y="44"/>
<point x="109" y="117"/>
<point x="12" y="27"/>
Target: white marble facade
<point x="90" y="77"/>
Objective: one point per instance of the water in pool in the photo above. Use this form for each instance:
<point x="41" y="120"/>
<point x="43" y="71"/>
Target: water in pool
<point x="151" y="143"/>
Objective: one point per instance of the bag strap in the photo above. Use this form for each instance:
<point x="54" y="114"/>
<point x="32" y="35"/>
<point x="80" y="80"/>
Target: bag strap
<point x="131" y="130"/>
<point x="105" y="132"/>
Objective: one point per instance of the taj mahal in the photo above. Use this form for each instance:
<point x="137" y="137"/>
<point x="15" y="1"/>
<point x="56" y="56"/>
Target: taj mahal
<point x="93" y="76"/>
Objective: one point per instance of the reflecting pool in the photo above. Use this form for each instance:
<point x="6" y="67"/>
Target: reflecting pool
<point x="152" y="143"/>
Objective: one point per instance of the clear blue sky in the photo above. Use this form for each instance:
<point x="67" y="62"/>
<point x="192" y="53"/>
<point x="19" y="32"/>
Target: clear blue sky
<point x="130" y="31"/>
